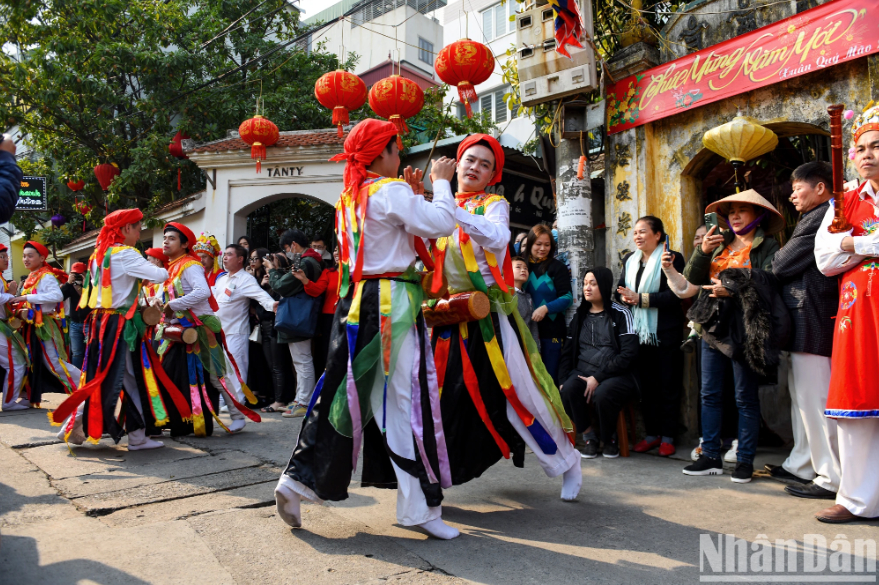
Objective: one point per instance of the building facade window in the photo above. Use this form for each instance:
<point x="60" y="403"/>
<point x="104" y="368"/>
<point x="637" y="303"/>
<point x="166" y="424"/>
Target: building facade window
<point x="492" y="102"/>
<point x="425" y="51"/>
<point x="496" y="21"/>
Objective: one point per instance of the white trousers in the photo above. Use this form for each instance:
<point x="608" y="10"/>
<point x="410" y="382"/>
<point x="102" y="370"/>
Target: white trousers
<point x="531" y="398"/>
<point x="859" y="463"/>
<point x="412" y="506"/>
<point x="17" y="370"/>
<point x="303" y="363"/>
<point x="815" y="455"/>
<point x="239" y="347"/>
<point x="54" y="363"/>
<point x="233" y="386"/>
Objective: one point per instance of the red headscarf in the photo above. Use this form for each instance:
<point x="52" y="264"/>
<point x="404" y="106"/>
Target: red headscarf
<point x="41" y="249"/>
<point x="496" y="148"/>
<point x="365" y="142"/>
<point x="187" y="233"/>
<point x="111" y="233"/>
<point x="159" y="254"/>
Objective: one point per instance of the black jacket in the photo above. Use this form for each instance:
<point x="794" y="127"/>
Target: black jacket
<point x="10" y="183"/>
<point x="811" y="297"/>
<point x="618" y="319"/>
<point x="670" y="324"/>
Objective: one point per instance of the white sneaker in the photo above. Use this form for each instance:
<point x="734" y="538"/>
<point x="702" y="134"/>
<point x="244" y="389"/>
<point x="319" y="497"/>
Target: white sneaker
<point x="148" y="444"/>
<point x="237" y="425"/>
<point x="731" y="456"/>
<point x="694" y="455"/>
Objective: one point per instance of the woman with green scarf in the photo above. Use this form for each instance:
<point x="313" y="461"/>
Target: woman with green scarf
<point x="659" y="322"/>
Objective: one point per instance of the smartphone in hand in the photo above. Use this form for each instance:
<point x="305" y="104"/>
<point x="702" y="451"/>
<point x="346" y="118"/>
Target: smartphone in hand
<point x="666" y="244"/>
<point x="710" y="221"/>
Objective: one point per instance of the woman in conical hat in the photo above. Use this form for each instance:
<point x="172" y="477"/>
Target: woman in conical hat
<point x="745" y="243"/>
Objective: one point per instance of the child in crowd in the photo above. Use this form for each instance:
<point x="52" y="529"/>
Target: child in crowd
<point x="526" y="307"/>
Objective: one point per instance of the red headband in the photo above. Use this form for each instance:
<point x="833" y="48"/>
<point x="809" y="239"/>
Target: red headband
<point x="496" y="148"/>
<point x="159" y="254"/>
<point x="187" y="233"/>
<point x="366" y="141"/>
<point x="41" y="249"/>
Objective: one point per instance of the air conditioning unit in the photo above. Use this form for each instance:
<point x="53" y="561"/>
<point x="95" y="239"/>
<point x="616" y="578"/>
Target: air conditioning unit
<point x="544" y="75"/>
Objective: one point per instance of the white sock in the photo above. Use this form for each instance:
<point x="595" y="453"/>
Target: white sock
<point x="287" y="502"/>
<point x="237" y="425"/>
<point x="573" y="479"/>
<point x="439" y="529"/>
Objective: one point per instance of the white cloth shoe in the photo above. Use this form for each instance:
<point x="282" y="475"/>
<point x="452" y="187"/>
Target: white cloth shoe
<point x="237" y="425"/>
<point x="147" y="444"/>
<point x="287" y="502"/>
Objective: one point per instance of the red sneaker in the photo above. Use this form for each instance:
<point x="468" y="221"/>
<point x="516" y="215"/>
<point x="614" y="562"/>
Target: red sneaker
<point x="643" y="446"/>
<point x="666" y="450"/>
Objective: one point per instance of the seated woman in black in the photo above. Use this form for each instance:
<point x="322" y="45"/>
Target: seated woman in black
<point x="597" y="361"/>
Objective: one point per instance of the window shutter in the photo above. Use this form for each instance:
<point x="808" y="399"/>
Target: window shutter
<point x="500" y="20"/>
<point x="500" y="108"/>
<point x="486" y="24"/>
<point x="486" y="104"/>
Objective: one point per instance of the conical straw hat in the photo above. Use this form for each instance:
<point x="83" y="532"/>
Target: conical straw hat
<point x="775" y="221"/>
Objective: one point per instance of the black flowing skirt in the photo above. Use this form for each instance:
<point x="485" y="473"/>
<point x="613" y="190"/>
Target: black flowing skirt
<point x="176" y="364"/>
<point x="322" y="457"/>
<point x="472" y="448"/>
<point x="40" y="377"/>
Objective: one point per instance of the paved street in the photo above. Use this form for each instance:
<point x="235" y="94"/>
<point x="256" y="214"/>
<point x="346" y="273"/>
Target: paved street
<point x="202" y="511"/>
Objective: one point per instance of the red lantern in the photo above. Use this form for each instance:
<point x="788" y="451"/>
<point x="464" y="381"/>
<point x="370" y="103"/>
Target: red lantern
<point x="176" y="150"/>
<point x="82" y="207"/>
<point x="105" y="174"/>
<point x="259" y="133"/>
<point x="75" y="185"/>
<point x="396" y="98"/>
<point x="465" y="64"/>
<point x="340" y="91"/>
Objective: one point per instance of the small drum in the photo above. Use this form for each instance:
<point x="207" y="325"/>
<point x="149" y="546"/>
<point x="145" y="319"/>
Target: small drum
<point x="15" y="323"/>
<point x="151" y="315"/>
<point x="459" y="308"/>
<point x="427" y="281"/>
<point x="180" y="334"/>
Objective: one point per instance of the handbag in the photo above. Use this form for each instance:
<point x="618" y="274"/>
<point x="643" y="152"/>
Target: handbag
<point x="256" y="334"/>
<point x="297" y="315"/>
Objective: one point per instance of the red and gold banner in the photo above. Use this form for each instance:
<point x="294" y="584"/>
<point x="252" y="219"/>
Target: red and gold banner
<point x="839" y="31"/>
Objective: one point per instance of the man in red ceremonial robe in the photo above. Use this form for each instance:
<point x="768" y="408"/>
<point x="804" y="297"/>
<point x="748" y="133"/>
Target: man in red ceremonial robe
<point x="853" y="398"/>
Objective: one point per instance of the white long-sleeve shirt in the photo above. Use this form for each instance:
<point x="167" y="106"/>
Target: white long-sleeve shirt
<point x="196" y="292"/>
<point x="829" y="255"/>
<point x="395" y="215"/>
<point x="48" y="294"/>
<point x="233" y="293"/>
<point x="491" y="232"/>
<point x="5" y="297"/>
<point x="126" y="267"/>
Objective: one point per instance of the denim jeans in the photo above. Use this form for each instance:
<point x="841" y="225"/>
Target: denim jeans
<point x="715" y="366"/>
<point x="77" y="343"/>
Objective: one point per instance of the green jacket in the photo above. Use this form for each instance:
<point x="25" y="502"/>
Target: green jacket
<point x="285" y="284"/>
<point x="763" y="249"/>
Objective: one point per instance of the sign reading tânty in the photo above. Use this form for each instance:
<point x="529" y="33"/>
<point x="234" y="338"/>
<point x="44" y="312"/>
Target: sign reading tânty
<point x="833" y="33"/>
<point x="32" y="194"/>
<point x="283" y="172"/>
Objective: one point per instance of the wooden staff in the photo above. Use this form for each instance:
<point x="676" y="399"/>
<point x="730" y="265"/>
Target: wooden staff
<point x="840" y="223"/>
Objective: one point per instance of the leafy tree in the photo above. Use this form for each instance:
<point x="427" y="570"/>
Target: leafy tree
<point x="93" y="81"/>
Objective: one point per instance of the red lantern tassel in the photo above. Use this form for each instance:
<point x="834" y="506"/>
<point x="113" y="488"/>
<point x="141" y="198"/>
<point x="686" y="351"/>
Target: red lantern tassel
<point x="258" y="151"/>
<point x="178" y="179"/>
<point x="340" y="118"/>
<point x="580" y="168"/>
<point x="467" y="94"/>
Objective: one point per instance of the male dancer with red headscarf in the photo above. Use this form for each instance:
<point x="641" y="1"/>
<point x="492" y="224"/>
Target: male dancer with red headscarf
<point x="853" y="398"/>
<point x="497" y="396"/>
<point x="13" y="350"/>
<point x="41" y="307"/>
<point x="204" y="368"/>
<point x="120" y="363"/>
<point x="379" y="387"/>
